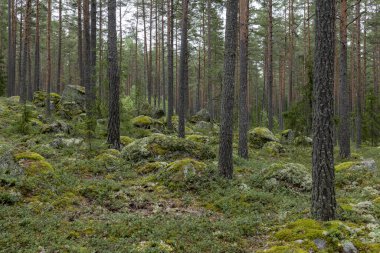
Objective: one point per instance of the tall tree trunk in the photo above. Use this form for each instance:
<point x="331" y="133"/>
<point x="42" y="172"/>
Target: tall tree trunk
<point x="270" y="67"/>
<point x="145" y="49"/>
<point x="163" y="56"/>
<point x="102" y="96"/>
<point x="11" y="61"/>
<point x="37" y="59"/>
<point x="323" y="189"/>
<point x="24" y="57"/>
<point x="291" y="51"/>
<point x="358" y="80"/>
<point x="59" y="58"/>
<point x="20" y="86"/>
<point x="243" y="92"/>
<point x="210" y="101"/>
<point x="80" y="44"/>
<point x="170" y="34"/>
<point x="183" y="78"/>
<point x="344" y="122"/>
<point x="227" y="103"/>
<point x="48" y="79"/>
<point x="114" y="79"/>
<point x="92" y="87"/>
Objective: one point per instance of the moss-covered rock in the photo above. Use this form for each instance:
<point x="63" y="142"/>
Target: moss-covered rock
<point x="274" y="148"/>
<point x="287" y="136"/>
<point x="163" y="147"/>
<point x="202" y="115"/>
<point x="154" y="246"/>
<point x="291" y="175"/>
<point x="368" y="165"/>
<point x="303" y="141"/>
<point x="40" y="97"/>
<point x="151" y="167"/>
<point x="32" y="163"/>
<point x="126" y="140"/>
<point x="181" y="174"/>
<point x="73" y="101"/>
<point x="58" y="126"/>
<point x="259" y="136"/>
<point x="198" y="138"/>
<point x="146" y="122"/>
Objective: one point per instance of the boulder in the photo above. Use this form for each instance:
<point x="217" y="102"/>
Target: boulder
<point x="162" y="147"/>
<point x="73" y="101"/>
<point x="32" y="163"/>
<point x="66" y="142"/>
<point x="303" y="141"/>
<point x="261" y="135"/>
<point x="198" y="138"/>
<point x="58" y="126"/>
<point x="202" y="115"/>
<point x="348" y="247"/>
<point x="146" y="122"/>
<point x="274" y="148"/>
<point x="291" y="175"/>
<point x="287" y="136"/>
<point x="365" y="165"/>
<point x="40" y="97"/>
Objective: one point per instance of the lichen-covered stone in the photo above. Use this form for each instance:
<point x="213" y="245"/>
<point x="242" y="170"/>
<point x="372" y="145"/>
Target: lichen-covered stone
<point x="40" y="97"/>
<point x="259" y="136"/>
<point x="291" y="175"/>
<point x="303" y="141"/>
<point x="162" y="147"/>
<point x="274" y="148"/>
<point x="73" y="101"/>
<point x="202" y="115"/>
<point x="366" y="165"/>
<point x="58" y="126"/>
<point x="178" y="173"/>
<point x="287" y="136"/>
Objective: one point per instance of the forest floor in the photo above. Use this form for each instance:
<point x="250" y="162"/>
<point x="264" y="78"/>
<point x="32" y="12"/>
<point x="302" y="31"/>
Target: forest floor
<point x="63" y="192"/>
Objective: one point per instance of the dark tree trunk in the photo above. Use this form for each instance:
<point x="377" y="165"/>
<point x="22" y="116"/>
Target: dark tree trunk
<point x="170" y="63"/>
<point x="163" y="56"/>
<point x="92" y="86"/>
<point x="80" y="44"/>
<point x="11" y="56"/>
<point x="344" y="122"/>
<point x="227" y="103"/>
<point x="183" y="69"/>
<point x="37" y="59"/>
<point x="358" y="82"/>
<point x="48" y="109"/>
<point x="270" y="67"/>
<point x="114" y="79"/>
<point x="210" y="101"/>
<point x="243" y="92"/>
<point x="323" y="191"/>
<point x="59" y="58"/>
<point x="24" y="57"/>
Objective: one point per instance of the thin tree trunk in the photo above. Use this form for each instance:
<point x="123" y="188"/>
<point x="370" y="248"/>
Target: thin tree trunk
<point x="210" y="101"/>
<point x="358" y="80"/>
<point x="59" y="58"/>
<point x="344" y="122"/>
<point x="37" y="59"/>
<point x="170" y="63"/>
<point x="25" y="48"/>
<point x="270" y="67"/>
<point x="80" y="44"/>
<point x="48" y="109"/>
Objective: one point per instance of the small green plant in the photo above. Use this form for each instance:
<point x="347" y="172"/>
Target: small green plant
<point x="23" y="125"/>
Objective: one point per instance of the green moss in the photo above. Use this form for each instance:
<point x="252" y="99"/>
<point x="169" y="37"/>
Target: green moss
<point x="344" y="166"/>
<point x="284" y="249"/>
<point x="259" y="136"/>
<point x="151" y="167"/>
<point x="198" y="138"/>
<point x="29" y="156"/>
<point x="274" y="148"/>
<point x="300" y="229"/>
<point x="376" y="200"/>
<point x="125" y="140"/>
<point x="143" y="121"/>
<point x="66" y="200"/>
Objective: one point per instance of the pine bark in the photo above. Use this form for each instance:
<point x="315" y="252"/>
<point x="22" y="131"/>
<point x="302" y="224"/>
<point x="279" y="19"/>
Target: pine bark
<point x="114" y="79"/>
<point x="170" y="42"/>
<point x="243" y="92"/>
<point x="183" y="69"/>
<point x="11" y="56"/>
<point x="227" y="103"/>
<point x="358" y="80"/>
<point x="80" y="44"/>
<point x="344" y="110"/>
<point x="270" y="67"/>
<point x="48" y="79"/>
<point x="323" y="189"/>
<point x="24" y="58"/>
<point x="37" y="57"/>
<point x="59" y="57"/>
